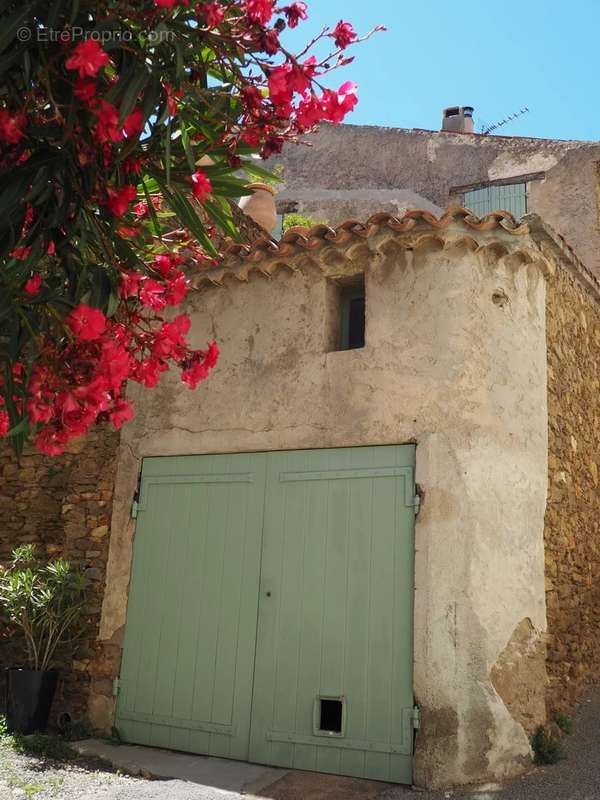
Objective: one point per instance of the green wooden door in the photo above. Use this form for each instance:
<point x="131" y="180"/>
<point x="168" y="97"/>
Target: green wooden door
<point x="335" y="613"/>
<point x="270" y="609"/>
<point x="188" y="656"/>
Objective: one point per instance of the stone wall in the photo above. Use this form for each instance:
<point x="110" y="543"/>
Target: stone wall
<point x="572" y="531"/>
<point x="63" y="505"/>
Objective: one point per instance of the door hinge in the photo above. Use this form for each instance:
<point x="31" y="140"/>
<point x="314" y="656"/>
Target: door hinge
<point x="116" y="687"/>
<point x="417" y="503"/>
<point x="416" y="718"/>
<point x="134" y="509"/>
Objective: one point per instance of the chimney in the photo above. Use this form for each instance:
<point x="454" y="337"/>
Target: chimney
<point x="458" y="119"/>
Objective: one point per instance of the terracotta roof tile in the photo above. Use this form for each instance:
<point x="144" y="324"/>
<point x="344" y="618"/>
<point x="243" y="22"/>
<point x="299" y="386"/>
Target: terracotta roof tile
<point x="265" y="254"/>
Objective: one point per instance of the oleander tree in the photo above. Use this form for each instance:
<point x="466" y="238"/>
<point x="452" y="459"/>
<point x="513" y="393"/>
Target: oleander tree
<point x="127" y="127"/>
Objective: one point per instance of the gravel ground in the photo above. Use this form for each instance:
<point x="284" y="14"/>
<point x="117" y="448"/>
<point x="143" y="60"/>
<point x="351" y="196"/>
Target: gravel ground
<point x="577" y="778"/>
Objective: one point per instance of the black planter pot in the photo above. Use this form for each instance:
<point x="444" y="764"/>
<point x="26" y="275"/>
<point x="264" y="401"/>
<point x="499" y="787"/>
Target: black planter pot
<point x="29" y="697"/>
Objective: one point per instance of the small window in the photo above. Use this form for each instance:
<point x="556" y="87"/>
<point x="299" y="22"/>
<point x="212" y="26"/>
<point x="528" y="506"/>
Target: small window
<point x="500" y="197"/>
<point x="345" y="313"/>
<point x="353" y="316"/>
<point x="330" y="716"/>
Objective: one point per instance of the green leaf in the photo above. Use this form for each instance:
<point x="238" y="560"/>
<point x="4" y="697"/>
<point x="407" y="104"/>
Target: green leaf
<point x="21" y="427"/>
<point x="133" y="93"/>
<point x="256" y="171"/>
<point x="185" y="141"/>
<point x="151" y="209"/>
<point x="221" y="214"/>
<point x="186" y="215"/>
<point x="168" y="154"/>
<point x="11" y="25"/>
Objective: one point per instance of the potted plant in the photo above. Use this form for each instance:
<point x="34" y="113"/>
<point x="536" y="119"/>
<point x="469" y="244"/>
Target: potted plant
<point x="45" y="600"/>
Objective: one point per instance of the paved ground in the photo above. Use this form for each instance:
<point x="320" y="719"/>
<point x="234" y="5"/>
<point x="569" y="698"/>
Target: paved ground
<point x="577" y="778"/>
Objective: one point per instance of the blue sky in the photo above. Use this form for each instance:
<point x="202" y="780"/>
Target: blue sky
<point x="494" y="55"/>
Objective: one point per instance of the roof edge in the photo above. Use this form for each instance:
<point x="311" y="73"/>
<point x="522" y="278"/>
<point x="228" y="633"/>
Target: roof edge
<point x="240" y="258"/>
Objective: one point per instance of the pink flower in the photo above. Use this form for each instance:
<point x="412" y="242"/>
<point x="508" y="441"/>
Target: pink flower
<point x="253" y="97"/>
<point x="201" y="186"/>
<point x="11" y="127"/>
<point x="213" y="14"/>
<point x="177" y="289"/>
<point x="116" y="364"/>
<point x="85" y="90"/>
<point x="166" y="262"/>
<point x="133" y="124"/>
<point x="269" y="41"/>
<point x="280" y="90"/>
<point x="309" y="112"/>
<point x="173" y="95"/>
<point x="4" y="423"/>
<point x="130" y="284"/>
<point x="20" y="252"/>
<point x="51" y="442"/>
<point x="107" y="126"/>
<point x="87" y="323"/>
<point x="132" y="166"/>
<point x="141" y="209"/>
<point x="259" y="11"/>
<point x="337" y="104"/>
<point x="88" y="57"/>
<point x="212" y="354"/>
<point x="38" y="410"/>
<point x="294" y="13"/>
<point x="152" y="294"/>
<point x="119" y="199"/>
<point x="288" y="78"/>
<point x="170" y="339"/>
<point x="148" y="372"/>
<point x="121" y="412"/>
<point x="343" y="34"/>
<point x="200" y="366"/>
<point x="32" y="286"/>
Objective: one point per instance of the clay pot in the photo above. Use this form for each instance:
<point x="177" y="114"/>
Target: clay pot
<point x="260" y="205"/>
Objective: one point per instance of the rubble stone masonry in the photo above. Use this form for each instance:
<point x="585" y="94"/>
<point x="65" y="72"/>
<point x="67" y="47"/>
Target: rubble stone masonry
<point x="572" y="527"/>
<point x="64" y="506"/>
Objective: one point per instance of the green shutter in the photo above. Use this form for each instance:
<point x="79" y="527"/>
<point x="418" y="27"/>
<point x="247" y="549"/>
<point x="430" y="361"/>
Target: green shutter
<point x="507" y="197"/>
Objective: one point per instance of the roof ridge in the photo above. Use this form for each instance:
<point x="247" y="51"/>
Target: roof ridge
<point x="302" y="235"/>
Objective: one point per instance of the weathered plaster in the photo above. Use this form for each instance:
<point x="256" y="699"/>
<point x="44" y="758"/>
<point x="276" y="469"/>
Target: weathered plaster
<point x="507" y="165"/>
<point x="444" y="365"/>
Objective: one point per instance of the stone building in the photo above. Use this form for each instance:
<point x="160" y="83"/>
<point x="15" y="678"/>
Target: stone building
<point x="263" y="586"/>
<point x="350" y="171"/>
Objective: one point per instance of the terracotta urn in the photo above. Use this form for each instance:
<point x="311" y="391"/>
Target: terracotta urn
<point x="260" y="205"/>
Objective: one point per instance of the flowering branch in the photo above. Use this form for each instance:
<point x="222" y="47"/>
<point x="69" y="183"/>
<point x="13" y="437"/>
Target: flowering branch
<point x="127" y="127"/>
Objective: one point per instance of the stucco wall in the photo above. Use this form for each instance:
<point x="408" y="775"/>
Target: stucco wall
<point x="573" y="515"/>
<point x="352" y="171"/>
<point x="454" y="360"/>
